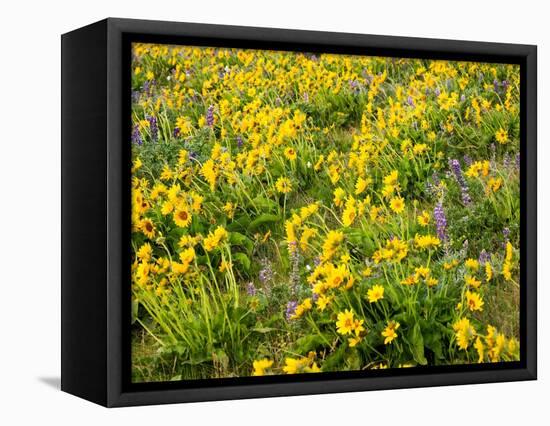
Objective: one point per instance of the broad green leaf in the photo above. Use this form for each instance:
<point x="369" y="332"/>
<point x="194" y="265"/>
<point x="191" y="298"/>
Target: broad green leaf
<point x="416" y="342"/>
<point x="263" y="219"/>
<point x="242" y="259"/>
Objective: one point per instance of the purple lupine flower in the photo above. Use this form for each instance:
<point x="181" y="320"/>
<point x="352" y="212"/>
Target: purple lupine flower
<point x="440" y="222"/>
<point x="517" y="160"/>
<point x="148" y="87"/>
<point x="462" y="97"/>
<point x="136" y="136"/>
<point x="457" y="171"/>
<point x="266" y="273"/>
<point x="306" y="97"/>
<point x="467" y="160"/>
<point x="505" y="84"/>
<point x="484" y="257"/>
<point x="239" y="142"/>
<point x="506" y="234"/>
<point x="154" y="127"/>
<point x="176" y="132"/>
<point x="250" y="289"/>
<point x="355" y="86"/>
<point x="496" y="85"/>
<point x="506" y="160"/>
<point x="410" y="101"/>
<point x="210" y="116"/>
<point x="437" y="92"/>
<point x="291" y="308"/>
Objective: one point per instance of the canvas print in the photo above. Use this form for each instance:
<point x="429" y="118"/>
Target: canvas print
<point x="298" y="212"/>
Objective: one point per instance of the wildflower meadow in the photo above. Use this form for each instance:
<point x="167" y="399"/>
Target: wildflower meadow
<point x="306" y="213"/>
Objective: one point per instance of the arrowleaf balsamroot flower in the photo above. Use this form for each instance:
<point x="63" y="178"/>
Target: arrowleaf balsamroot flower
<point x="182" y="217"/>
<point x="501" y="136"/>
<point x="474" y="301"/>
<point x="214" y="239"/>
<point x="464" y="333"/>
<point x="390" y="332"/>
<point x="375" y="293"/>
<point x="283" y="185"/>
<point x="347" y="324"/>
<point x="397" y="204"/>
<point x="260" y="366"/>
<point x="290" y="153"/>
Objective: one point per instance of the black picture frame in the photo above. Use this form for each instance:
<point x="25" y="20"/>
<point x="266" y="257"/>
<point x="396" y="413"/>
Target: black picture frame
<point x="96" y="198"/>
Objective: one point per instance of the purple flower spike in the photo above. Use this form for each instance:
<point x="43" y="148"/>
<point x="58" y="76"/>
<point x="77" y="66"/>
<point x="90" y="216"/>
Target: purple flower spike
<point x="506" y="160"/>
<point x="136" y="136"/>
<point x="210" y="116"/>
<point x="440" y="222"/>
<point x="457" y="171"/>
<point x="291" y="308"/>
<point x="266" y="273"/>
<point x="484" y="257"/>
<point x="154" y="127"/>
<point x="250" y="289"/>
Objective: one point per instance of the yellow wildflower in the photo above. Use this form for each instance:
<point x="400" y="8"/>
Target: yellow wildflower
<point x="390" y="333"/>
<point x="283" y="185"/>
<point x="260" y="366"/>
<point x="375" y="293"/>
<point x="397" y="204"/>
<point x="474" y="301"/>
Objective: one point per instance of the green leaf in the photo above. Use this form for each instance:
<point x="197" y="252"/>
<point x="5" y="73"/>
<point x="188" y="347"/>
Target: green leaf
<point x="135" y="307"/>
<point x="238" y="239"/>
<point x="263" y="330"/>
<point x="243" y="260"/>
<point x="416" y="343"/>
<point x="335" y="360"/>
<point x="309" y="343"/>
<point x="263" y="219"/>
<point x="265" y="204"/>
<point x="239" y="223"/>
